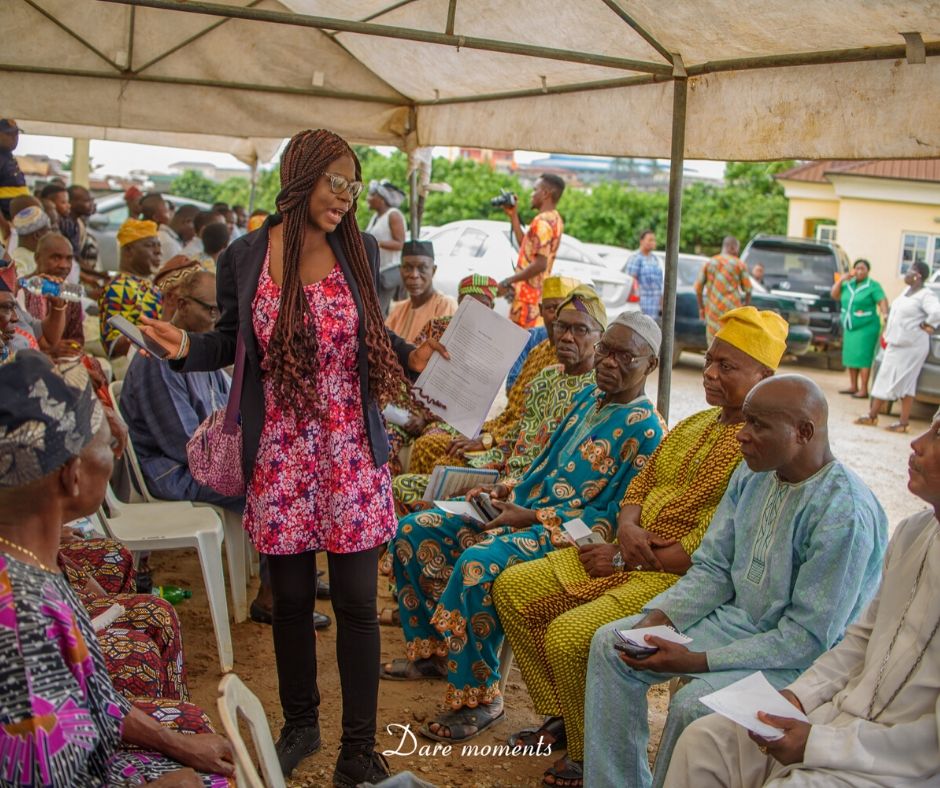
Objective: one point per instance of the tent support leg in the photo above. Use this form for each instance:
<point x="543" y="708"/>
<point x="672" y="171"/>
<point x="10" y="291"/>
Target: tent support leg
<point x="81" y="162"/>
<point x="673" y="225"/>
<point x="413" y="205"/>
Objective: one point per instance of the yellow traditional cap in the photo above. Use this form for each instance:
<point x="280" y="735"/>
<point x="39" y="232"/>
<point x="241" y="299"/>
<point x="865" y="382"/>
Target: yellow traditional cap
<point x="558" y="286"/>
<point x="760" y="334"/>
<point x="585" y="299"/>
<point x="135" y="230"/>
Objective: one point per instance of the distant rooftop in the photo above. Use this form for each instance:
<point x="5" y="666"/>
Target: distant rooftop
<point x="895" y="169"/>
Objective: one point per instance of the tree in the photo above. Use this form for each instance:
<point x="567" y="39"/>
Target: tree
<point x="196" y="186"/>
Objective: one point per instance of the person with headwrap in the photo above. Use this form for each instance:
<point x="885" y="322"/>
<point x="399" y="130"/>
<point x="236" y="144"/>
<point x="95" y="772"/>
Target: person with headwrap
<point x="132" y="292"/>
<point x="548" y="398"/>
<point x="424" y="303"/>
<point x="18" y="328"/>
<point x="53" y="676"/>
<point x="30" y="225"/>
<point x="552" y="607"/>
<point x="445" y="564"/>
<point x="440" y="444"/>
<point x="387" y="226"/>
<point x="483" y="289"/>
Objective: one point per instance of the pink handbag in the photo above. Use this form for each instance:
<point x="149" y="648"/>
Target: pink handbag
<point x="215" y="450"/>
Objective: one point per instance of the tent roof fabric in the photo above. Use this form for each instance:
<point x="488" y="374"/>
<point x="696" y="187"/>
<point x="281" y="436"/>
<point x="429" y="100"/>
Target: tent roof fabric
<point x="896" y="169"/>
<point x="766" y="79"/>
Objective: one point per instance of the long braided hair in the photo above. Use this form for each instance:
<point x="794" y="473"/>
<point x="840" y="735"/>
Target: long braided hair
<point x="292" y="355"/>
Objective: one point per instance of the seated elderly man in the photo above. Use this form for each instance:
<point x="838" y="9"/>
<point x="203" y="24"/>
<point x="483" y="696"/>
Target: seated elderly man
<point x="424" y="303"/>
<point x="131" y="293"/>
<point x="792" y="556"/>
<point x="441" y="445"/>
<point x="62" y="723"/>
<point x="54" y="261"/>
<point x="872" y="701"/>
<point x="445" y="565"/>
<point x="552" y="607"/>
<point x="548" y="399"/>
<point x="30" y="225"/>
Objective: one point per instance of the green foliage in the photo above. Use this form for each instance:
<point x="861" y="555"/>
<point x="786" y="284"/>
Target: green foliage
<point x="194" y="185"/>
<point x="750" y="201"/>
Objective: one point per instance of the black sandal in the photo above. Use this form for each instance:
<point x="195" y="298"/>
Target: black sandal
<point x="530" y="737"/>
<point x="465" y="724"/>
<point x="405" y="670"/>
<point x="571" y="772"/>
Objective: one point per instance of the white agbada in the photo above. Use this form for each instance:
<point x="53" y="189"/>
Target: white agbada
<point x="901" y="748"/>
<point x="907" y="344"/>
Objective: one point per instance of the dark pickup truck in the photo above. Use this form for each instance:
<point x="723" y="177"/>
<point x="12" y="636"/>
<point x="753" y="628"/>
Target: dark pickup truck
<point x="803" y="270"/>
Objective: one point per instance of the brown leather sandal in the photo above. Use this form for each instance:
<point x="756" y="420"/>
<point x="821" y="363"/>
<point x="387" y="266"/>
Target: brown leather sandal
<point x="867" y="421"/>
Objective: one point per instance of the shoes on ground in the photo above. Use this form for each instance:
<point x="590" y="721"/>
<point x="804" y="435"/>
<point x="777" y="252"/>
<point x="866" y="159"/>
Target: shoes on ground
<point x="295" y="744"/>
<point x="359" y="766"/>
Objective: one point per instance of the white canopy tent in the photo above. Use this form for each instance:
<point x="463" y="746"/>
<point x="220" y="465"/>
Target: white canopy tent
<point x="708" y="79"/>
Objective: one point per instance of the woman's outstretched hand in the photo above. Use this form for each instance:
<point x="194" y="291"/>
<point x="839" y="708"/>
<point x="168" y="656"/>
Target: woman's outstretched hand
<point x="168" y="336"/>
<point x="419" y="357"/>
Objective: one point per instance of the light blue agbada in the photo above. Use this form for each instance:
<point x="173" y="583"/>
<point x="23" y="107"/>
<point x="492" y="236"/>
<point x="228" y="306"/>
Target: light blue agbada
<point x="782" y="571"/>
<point x="444" y="565"/>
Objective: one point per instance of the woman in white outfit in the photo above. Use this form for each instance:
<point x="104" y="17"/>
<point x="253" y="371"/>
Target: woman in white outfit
<point x="913" y="318"/>
<point x="387" y="226"/>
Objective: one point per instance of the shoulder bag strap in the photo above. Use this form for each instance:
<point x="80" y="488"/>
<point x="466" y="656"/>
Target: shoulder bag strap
<point x="235" y="393"/>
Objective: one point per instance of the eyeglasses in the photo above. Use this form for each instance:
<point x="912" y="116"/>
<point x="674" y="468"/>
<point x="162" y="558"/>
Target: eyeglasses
<point x="339" y="184"/>
<point x="623" y="358"/>
<point x="212" y="309"/>
<point x="578" y="331"/>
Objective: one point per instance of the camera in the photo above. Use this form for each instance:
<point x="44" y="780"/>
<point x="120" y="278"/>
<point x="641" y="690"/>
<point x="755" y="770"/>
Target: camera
<point x="504" y="198"/>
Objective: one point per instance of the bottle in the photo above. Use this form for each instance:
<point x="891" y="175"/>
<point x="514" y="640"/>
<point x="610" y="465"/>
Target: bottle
<point x="172" y="594"/>
<point x="67" y="291"/>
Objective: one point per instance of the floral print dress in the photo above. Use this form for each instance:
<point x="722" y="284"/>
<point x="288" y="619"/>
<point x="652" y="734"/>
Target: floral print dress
<point x="315" y="485"/>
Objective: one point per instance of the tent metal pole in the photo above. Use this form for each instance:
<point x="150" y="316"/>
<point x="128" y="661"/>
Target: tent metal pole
<point x="548" y="90"/>
<point x="66" y="29"/>
<point x="451" y="16"/>
<point x="413" y="205"/>
<point x="641" y="31"/>
<point x="403" y="33"/>
<point x="673" y="226"/>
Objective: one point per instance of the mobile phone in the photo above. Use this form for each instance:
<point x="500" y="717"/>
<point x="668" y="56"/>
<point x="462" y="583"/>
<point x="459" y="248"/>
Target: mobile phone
<point x="637" y="652"/>
<point x="136" y="336"/>
<point x="592" y="538"/>
<point x="484" y="503"/>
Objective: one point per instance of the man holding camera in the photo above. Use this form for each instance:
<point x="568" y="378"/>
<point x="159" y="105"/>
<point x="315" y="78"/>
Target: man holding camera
<point x="537" y="249"/>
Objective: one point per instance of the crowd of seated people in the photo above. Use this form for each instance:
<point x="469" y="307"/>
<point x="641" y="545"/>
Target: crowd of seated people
<point x="737" y="526"/>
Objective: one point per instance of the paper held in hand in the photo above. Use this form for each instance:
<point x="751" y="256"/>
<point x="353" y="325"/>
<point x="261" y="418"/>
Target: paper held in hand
<point x="637" y="637"/>
<point x="579" y="534"/>
<point x="741" y="701"/>
<point x="450" y="481"/>
<point x="482" y="346"/>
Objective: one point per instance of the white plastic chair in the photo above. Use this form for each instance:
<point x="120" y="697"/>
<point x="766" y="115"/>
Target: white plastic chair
<point x="505" y="664"/>
<point x="236" y="700"/>
<point x="237" y="547"/>
<point x="172" y="525"/>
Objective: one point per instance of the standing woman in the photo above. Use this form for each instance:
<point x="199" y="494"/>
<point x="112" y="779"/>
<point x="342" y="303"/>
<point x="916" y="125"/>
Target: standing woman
<point x="913" y="318"/>
<point x="300" y="293"/>
<point x="388" y="226"/>
<point x="863" y="305"/>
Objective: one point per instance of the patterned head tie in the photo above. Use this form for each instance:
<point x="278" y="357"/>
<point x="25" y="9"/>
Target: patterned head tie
<point x="585" y="299"/>
<point x="388" y="191"/>
<point x="30" y="220"/>
<point x="136" y="230"/>
<point x="477" y="284"/>
<point x="47" y="417"/>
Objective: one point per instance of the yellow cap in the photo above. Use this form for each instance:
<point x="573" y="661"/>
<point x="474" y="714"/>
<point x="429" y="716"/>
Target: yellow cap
<point x="760" y="334"/>
<point x="558" y="286"/>
<point x="135" y="230"/>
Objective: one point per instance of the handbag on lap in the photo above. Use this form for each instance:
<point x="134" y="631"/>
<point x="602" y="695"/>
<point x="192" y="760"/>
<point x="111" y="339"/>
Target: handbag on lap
<point x="215" y="450"/>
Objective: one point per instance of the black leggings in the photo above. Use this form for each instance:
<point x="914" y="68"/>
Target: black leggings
<point x="358" y="646"/>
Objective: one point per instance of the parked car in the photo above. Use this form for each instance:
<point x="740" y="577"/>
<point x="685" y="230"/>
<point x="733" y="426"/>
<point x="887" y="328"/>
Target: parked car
<point x="111" y="213"/>
<point x="928" y="382"/>
<point x="615" y="258"/>
<point x="690" y="328"/>
<point x="478" y="246"/>
<point x="804" y="269"/>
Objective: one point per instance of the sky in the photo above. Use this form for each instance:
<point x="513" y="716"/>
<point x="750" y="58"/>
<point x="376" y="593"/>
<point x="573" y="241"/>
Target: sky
<point x="119" y="158"/>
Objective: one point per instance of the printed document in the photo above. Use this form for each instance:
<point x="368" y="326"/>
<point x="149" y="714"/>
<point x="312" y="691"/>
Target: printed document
<point x="741" y="701"/>
<point x="482" y="346"/>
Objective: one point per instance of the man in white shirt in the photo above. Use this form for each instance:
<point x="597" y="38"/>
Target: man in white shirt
<point x="179" y="232"/>
<point x="872" y="700"/>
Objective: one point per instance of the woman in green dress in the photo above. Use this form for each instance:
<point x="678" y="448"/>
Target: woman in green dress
<point x="863" y="306"/>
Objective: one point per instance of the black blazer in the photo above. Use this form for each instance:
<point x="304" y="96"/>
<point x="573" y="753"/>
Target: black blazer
<point x="239" y="269"/>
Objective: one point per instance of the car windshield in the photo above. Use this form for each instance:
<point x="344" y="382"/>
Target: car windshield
<point x="689" y="270"/>
<point x="806" y="269"/>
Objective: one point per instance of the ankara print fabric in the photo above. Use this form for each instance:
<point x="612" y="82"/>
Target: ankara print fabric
<point x="315" y="485"/>
<point x="131" y="297"/>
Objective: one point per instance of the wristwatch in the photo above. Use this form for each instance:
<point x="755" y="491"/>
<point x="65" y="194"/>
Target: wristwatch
<point x="487" y="440"/>
<point x="617" y="561"/>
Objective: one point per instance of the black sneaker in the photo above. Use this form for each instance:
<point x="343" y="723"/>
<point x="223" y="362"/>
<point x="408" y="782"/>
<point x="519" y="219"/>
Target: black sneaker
<point x="359" y="766"/>
<point x="295" y="744"/>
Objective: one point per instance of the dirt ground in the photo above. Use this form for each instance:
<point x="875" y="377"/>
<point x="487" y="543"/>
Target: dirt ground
<point x="878" y="456"/>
